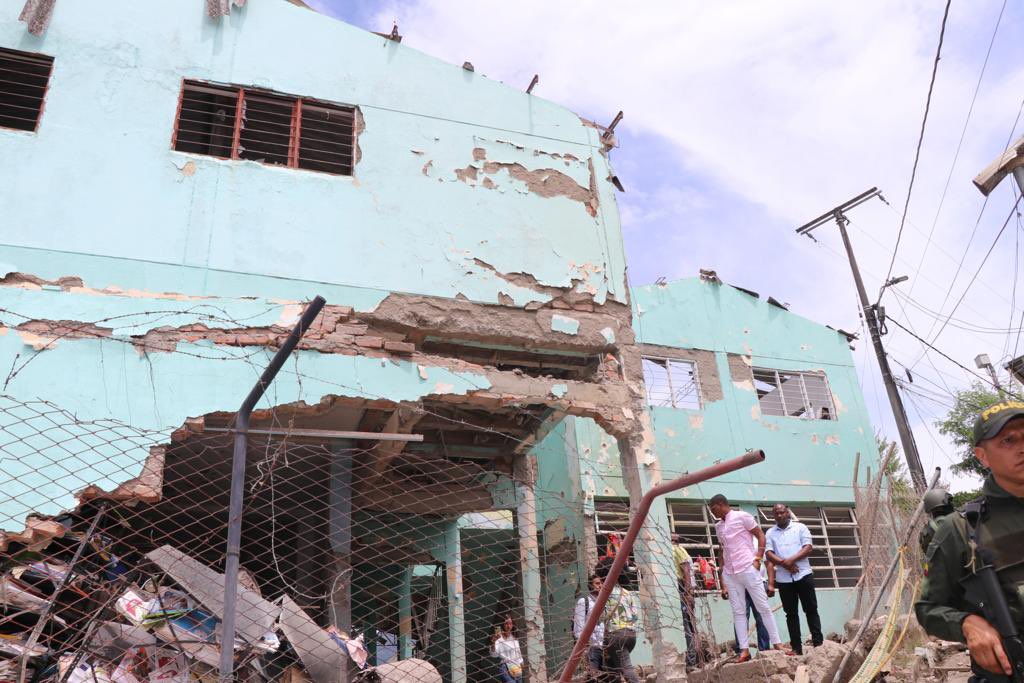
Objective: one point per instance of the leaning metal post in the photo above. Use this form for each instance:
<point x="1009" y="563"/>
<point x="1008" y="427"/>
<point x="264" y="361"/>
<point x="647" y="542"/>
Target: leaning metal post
<point x="68" y="574"/>
<point x="227" y="641"/>
<point x="888" y="575"/>
<point x="622" y="554"/>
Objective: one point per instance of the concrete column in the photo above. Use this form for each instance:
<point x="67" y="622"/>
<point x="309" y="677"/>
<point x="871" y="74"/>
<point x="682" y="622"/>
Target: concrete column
<point x="340" y="537"/>
<point x="587" y="546"/>
<point x="659" y="594"/>
<point x="405" y="616"/>
<point x="456" y="608"/>
<point x="309" y="563"/>
<point x="525" y="473"/>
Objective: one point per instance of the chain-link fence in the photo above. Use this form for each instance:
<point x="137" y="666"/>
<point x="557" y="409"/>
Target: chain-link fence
<point x="362" y="557"/>
<point x="886" y="506"/>
<point x="432" y="569"/>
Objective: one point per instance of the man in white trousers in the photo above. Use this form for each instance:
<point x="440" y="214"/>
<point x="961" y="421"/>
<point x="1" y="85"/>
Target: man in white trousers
<point x="740" y="570"/>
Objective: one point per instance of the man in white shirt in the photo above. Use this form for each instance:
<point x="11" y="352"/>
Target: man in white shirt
<point x="741" y="570"/>
<point x="584" y="606"/>
<point x="789" y="546"/>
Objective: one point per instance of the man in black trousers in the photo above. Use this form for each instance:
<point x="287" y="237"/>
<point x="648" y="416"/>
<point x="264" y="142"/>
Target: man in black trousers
<point x="788" y="547"/>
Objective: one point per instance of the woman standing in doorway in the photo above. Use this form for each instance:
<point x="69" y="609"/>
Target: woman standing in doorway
<point x="505" y="646"/>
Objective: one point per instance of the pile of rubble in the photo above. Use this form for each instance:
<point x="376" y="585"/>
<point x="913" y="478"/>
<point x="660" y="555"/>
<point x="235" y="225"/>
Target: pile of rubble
<point x="89" y="617"/>
<point x="934" y="662"/>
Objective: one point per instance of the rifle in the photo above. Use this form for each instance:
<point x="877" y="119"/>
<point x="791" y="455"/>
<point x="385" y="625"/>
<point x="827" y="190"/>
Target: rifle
<point x="992" y="600"/>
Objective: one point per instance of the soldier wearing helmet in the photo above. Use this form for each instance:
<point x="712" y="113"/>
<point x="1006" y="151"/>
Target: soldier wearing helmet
<point x="937" y="504"/>
<point x="973" y="591"/>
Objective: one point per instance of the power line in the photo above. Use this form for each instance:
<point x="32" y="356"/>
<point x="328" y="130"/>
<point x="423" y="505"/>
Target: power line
<point x="958" y="323"/>
<point x="977" y="223"/>
<point x="977" y="272"/>
<point x="986" y="380"/>
<point x="959" y="145"/>
<point x="920" y="139"/>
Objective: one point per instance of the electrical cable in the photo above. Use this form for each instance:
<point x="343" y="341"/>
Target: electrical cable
<point x="959" y="145"/>
<point x="986" y="380"/>
<point x="977" y="223"/>
<point x="976" y="272"/>
<point x="920" y="140"/>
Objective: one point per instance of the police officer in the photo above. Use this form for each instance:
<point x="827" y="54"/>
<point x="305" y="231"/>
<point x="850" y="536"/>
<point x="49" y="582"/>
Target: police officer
<point x="937" y="504"/>
<point x="949" y="606"/>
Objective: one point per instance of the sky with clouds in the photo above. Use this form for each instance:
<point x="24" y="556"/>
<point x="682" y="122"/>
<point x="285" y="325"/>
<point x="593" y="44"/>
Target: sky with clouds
<point x="745" y="119"/>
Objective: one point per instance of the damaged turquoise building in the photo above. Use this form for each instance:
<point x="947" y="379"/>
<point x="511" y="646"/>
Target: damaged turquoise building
<point x="726" y="371"/>
<point x="457" y="434"/>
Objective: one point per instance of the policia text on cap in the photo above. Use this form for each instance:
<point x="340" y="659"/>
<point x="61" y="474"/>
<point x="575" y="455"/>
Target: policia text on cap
<point x="973" y="590"/>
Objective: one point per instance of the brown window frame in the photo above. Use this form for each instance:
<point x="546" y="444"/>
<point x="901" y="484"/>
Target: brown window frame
<point x="293" y="158"/>
<point x="6" y="75"/>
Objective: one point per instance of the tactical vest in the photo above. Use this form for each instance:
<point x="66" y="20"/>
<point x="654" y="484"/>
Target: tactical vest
<point x="1001" y="534"/>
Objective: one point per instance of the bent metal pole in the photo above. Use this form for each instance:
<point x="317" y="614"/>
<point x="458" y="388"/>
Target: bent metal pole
<point x="227" y="641"/>
<point x="622" y="554"/>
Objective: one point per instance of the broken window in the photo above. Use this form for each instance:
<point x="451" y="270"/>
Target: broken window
<point x="239" y="123"/>
<point x="671" y="383"/>
<point x="23" y="80"/>
<point x="793" y="394"/>
<point x="695" y="526"/>
<point x="835" y="559"/>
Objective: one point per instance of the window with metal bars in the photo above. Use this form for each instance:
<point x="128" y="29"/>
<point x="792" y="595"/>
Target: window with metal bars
<point x="794" y="394"/>
<point x="835" y="559"/>
<point x="23" y="80"/>
<point x="695" y="526"/>
<point x="671" y="383"/>
<point x="611" y="521"/>
<point x="238" y="123"/>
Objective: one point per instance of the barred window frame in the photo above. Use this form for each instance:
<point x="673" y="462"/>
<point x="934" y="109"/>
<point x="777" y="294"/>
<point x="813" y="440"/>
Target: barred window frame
<point x="24" y="85"/>
<point x="274" y="129"/>
<point x="830" y="559"/>
<point x="611" y="515"/>
<point x="786" y="399"/>
<point x="687" y="397"/>
<point x="682" y="519"/>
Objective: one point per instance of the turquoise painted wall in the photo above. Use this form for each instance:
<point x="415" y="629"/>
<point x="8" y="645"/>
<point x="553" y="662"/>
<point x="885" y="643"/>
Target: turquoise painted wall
<point x="807" y="460"/>
<point x="161" y="238"/>
<point x="403" y="222"/>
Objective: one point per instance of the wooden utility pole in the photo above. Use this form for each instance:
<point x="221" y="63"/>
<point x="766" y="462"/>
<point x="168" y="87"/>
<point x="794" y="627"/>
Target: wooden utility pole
<point x="870" y="312"/>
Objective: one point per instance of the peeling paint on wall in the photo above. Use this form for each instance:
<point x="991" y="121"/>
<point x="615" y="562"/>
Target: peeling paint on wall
<point x="564" y="324"/>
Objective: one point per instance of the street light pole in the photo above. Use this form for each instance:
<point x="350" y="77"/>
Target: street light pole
<point x="871" y="319"/>
<point x="983" y="363"/>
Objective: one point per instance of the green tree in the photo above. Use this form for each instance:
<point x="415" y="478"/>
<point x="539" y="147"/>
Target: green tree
<point x="965" y="496"/>
<point x="901" y="491"/>
<point x="959" y="424"/>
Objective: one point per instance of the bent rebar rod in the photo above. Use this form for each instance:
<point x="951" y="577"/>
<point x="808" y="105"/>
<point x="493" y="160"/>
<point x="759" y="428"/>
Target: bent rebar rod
<point x="622" y="554"/>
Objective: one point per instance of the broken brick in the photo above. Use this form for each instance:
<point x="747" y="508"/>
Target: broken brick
<point x="370" y="342"/>
<point x="558" y="303"/>
<point x="353" y="329"/>
<point x="342" y="311"/>
<point x="399" y="346"/>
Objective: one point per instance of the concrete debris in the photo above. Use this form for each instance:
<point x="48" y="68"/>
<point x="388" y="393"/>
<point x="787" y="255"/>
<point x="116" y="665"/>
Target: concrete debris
<point x="169" y="631"/>
<point x="824" y="660"/>
<point x="221" y="8"/>
<point x="37" y="14"/>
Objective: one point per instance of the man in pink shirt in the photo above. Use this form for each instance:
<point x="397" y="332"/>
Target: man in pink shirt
<point x="740" y="570"/>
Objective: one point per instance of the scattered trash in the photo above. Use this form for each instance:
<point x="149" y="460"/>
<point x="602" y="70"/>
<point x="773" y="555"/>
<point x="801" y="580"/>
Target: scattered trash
<point x="167" y="627"/>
